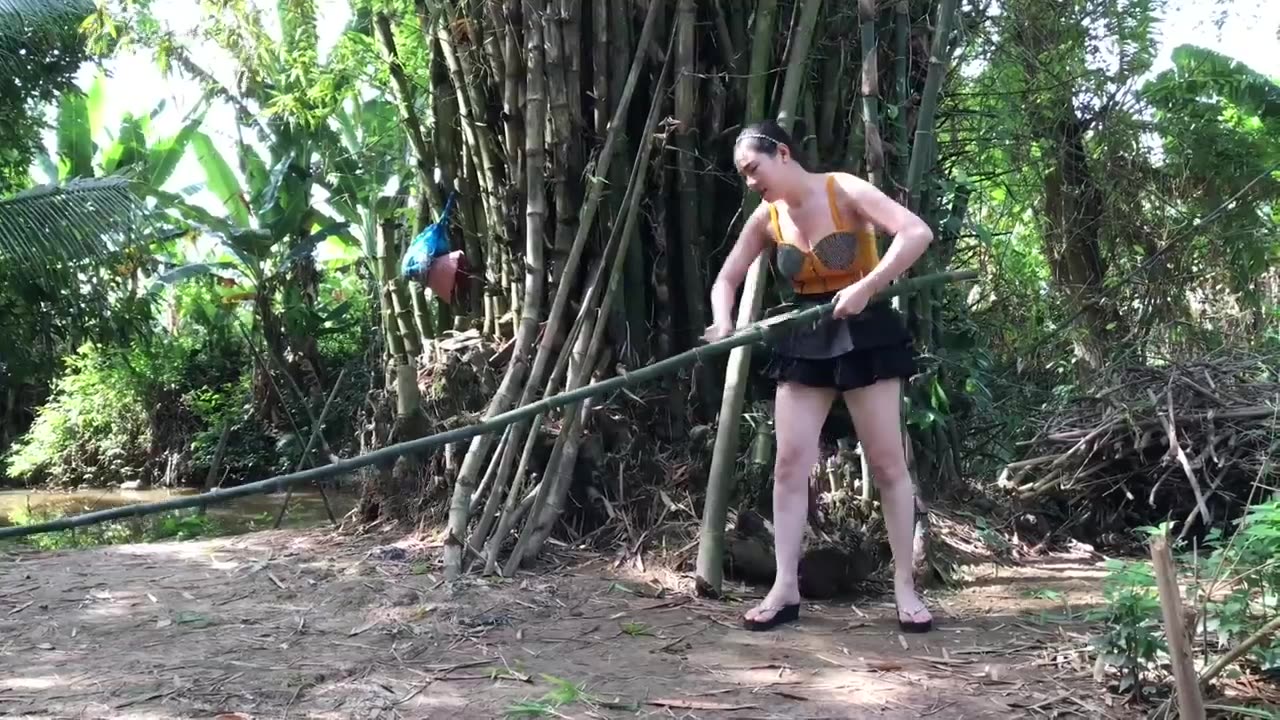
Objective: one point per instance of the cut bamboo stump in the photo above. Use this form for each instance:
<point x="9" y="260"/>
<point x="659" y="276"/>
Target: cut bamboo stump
<point x="1190" y="701"/>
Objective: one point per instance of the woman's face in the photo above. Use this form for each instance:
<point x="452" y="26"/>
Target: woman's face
<point x="764" y="174"/>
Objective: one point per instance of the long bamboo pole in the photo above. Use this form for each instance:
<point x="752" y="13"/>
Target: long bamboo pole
<point x="761" y="332"/>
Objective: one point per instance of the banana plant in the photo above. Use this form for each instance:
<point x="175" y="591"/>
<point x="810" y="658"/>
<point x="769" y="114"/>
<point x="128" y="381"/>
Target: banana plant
<point x="264" y="253"/>
<point x="92" y="202"/>
<point x="76" y="250"/>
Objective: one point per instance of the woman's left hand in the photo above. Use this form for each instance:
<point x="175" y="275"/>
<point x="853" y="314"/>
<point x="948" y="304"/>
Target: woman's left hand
<point x="852" y="300"/>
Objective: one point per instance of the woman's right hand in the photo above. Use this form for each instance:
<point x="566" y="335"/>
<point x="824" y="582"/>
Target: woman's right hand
<point x="718" y="331"/>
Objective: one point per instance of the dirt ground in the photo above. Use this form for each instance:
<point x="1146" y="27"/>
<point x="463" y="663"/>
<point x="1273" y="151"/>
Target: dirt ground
<point x="314" y="625"/>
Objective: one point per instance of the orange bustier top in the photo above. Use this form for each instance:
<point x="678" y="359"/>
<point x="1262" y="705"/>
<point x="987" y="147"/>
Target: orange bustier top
<point x="832" y="263"/>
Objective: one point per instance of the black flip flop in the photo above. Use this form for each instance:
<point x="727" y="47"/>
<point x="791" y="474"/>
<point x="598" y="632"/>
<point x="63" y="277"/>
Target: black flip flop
<point x="784" y="614"/>
<point x="912" y="626"/>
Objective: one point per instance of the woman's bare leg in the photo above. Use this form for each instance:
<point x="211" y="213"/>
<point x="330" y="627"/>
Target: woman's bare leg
<point x="799" y="412"/>
<point x="876" y="417"/>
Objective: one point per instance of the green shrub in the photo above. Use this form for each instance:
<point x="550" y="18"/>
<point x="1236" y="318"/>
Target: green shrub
<point x="94" y="427"/>
<point x="1132" y="639"/>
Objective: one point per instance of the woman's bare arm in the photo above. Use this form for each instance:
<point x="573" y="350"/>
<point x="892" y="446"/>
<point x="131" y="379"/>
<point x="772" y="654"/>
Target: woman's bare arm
<point x="752" y="240"/>
<point x="911" y="234"/>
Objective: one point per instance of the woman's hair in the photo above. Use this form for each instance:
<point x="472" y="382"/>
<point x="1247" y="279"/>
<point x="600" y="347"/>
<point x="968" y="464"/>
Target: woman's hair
<point x="765" y="137"/>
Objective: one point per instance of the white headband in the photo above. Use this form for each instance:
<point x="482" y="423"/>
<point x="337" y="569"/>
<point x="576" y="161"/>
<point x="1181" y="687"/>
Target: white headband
<point x="745" y="136"/>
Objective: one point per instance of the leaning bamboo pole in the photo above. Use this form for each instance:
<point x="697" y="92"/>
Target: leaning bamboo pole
<point x="710" y="565"/>
<point x="761" y="332"/>
<point x="535" y="280"/>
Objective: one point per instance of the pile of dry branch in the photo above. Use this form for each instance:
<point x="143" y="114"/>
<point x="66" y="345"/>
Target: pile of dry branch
<point x="1183" y="442"/>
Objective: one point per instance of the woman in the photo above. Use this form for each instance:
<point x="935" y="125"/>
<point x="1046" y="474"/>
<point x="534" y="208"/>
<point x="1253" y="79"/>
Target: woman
<point x="823" y="228"/>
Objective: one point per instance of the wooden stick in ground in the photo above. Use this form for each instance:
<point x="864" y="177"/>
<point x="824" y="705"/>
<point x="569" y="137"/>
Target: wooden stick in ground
<point x="1190" y="702"/>
<point x="210" y="481"/>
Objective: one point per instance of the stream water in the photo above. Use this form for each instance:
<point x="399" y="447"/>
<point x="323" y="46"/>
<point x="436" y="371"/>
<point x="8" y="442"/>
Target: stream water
<point x="306" y="508"/>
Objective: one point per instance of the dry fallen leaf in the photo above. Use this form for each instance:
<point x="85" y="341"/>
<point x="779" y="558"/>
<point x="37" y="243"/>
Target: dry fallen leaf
<point x="232" y="716"/>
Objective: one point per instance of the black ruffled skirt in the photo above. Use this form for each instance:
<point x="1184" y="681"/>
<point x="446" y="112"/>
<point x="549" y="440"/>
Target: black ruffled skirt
<point x="844" y="354"/>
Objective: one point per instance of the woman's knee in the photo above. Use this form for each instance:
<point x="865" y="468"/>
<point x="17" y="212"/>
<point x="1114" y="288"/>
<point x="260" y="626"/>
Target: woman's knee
<point x="794" y="463"/>
<point x="888" y="469"/>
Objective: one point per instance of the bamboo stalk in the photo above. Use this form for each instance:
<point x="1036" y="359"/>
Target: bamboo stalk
<point x="922" y="146"/>
<point x="422" y="155"/>
<point x="479" y="143"/>
<point x="559" y="131"/>
<point x="829" y="96"/>
<point x="871" y="94"/>
<point x="901" y="68"/>
<point x="581" y="327"/>
<point x="557" y="312"/>
<point x="661" y="282"/>
<point x="535" y="281"/>
<point x="710" y="565"/>
<point x="316" y="428"/>
<point x="686" y="182"/>
<point x="509" y="18"/>
<point x="571" y="39"/>
<point x="600" y="68"/>
<point x="1266" y="632"/>
<point x="456" y="160"/>
<point x="762" y="332"/>
<point x="559" y="474"/>
<point x="628" y="317"/>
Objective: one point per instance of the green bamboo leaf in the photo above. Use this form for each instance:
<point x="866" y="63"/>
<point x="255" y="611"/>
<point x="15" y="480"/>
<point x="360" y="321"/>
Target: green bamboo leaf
<point x="222" y="181"/>
<point x="75" y="145"/>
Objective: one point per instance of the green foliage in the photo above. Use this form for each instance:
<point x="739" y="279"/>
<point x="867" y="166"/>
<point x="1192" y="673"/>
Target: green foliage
<point x="95" y="427"/>
<point x="1219" y="126"/>
<point x="562" y="693"/>
<point x="40" y="52"/>
<point x="1248" y="568"/>
<point x="1237" y="586"/>
<point x="1132" y="639"/>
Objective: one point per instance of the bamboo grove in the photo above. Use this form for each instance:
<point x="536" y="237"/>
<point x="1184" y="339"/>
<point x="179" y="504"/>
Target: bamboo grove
<point x="590" y="144"/>
<point x="589" y="149"/>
